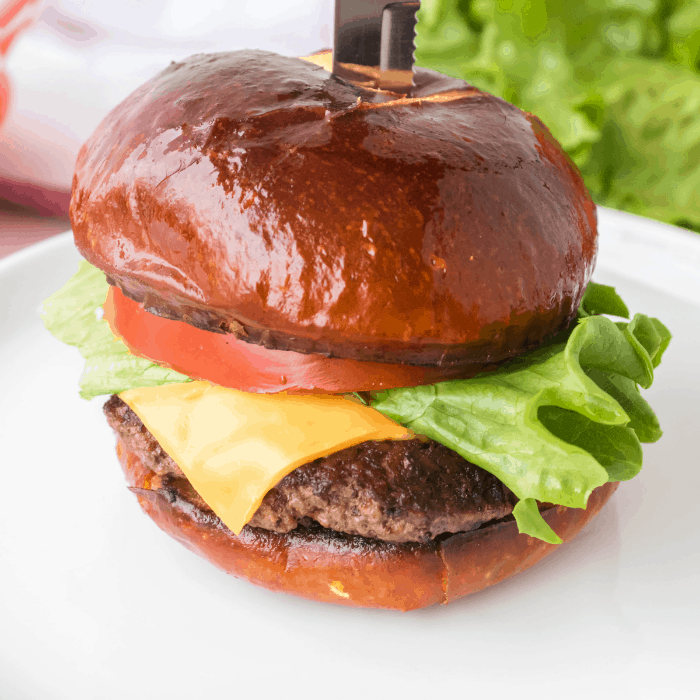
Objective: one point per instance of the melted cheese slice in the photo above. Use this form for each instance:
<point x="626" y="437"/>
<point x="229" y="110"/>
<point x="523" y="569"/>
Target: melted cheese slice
<point x="234" y="446"/>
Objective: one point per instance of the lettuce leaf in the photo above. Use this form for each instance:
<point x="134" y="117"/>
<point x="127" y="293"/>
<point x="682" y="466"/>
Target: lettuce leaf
<point x="555" y="423"/>
<point x="74" y="315"/>
<point x="602" y="299"/>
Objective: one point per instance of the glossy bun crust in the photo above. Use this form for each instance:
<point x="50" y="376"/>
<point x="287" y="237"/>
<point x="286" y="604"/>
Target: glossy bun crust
<point x="333" y="567"/>
<point x="257" y="194"/>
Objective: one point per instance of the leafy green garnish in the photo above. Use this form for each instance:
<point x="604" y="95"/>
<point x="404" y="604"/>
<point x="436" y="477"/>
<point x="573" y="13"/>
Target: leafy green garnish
<point x="555" y="423"/>
<point x="602" y="299"/>
<point x="527" y="516"/>
<point x="73" y="315"/>
<point x="617" y="83"/>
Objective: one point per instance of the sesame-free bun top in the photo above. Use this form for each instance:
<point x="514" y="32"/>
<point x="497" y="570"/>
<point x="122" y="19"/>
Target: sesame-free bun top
<point x="256" y="194"/>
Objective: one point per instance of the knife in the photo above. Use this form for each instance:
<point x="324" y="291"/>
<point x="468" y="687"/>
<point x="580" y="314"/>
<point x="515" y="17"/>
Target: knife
<point x="375" y="42"/>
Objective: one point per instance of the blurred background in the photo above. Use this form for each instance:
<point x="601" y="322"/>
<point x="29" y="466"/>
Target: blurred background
<point x="617" y="82"/>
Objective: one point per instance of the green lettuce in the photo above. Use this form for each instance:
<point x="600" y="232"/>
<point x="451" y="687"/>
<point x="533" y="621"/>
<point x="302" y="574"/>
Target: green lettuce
<point x="555" y="423"/>
<point x="74" y="315"/>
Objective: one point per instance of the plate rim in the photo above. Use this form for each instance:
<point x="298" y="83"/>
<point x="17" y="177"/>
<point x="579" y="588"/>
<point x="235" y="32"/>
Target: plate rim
<point x="25" y="254"/>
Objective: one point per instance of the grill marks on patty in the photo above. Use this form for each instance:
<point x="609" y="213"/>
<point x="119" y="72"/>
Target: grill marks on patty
<point x="397" y="491"/>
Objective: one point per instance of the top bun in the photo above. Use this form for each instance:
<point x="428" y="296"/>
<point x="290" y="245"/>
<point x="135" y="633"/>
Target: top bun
<point x="257" y="194"/>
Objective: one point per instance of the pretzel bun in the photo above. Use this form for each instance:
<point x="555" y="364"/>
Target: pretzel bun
<point x="304" y="220"/>
<point x="256" y="194"/>
<point x="338" y="568"/>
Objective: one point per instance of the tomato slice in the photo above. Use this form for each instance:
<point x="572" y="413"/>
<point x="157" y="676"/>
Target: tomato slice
<point x="225" y="360"/>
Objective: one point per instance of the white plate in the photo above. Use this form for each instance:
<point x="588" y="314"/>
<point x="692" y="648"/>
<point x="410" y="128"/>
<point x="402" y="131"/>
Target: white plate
<point x="96" y="602"/>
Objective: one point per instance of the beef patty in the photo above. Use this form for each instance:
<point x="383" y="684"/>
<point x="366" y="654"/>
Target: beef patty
<point x="397" y="491"/>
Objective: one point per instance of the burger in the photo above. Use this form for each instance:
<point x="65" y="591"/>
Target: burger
<point x="350" y="337"/>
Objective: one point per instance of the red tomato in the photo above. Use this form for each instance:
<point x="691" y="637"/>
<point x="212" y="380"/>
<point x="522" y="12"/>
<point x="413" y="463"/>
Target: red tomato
<point x="225" y="360"/>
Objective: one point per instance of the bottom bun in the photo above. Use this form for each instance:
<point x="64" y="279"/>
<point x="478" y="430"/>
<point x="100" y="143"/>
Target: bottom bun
<point x="335" y="567"/>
